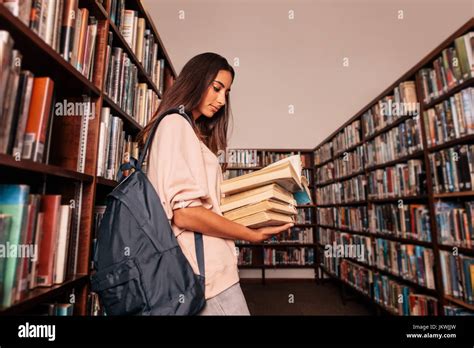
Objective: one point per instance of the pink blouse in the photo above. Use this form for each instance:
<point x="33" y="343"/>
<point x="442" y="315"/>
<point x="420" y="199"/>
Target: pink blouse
<point x="185" y="173"/>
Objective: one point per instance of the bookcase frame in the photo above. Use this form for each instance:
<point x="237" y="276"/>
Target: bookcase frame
<point x="260" y="247"/>
<point x="429" y="199"/>
<point x="43" y="60"/>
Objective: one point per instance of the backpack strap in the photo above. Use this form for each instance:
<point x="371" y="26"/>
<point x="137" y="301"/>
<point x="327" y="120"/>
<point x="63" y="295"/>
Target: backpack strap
<point x="198" y="240"/>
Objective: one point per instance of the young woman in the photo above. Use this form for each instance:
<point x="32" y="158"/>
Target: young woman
<point x="185" y="172"/>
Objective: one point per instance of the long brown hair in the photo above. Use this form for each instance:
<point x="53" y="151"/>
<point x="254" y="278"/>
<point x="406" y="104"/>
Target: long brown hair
<point x="188" y="90"/>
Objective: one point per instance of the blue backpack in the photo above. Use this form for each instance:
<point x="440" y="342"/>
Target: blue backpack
<point x="141" y="269"/>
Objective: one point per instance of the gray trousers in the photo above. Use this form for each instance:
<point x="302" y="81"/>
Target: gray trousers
<point x="229" y="302"/>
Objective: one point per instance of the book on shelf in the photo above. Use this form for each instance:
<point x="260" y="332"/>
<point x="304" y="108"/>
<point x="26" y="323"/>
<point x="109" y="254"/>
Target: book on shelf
<point x="444" y="74"/>
<point x="69" y="30"/>
<point x="398" y="142"/>
<point x="410" y="221"/>
<point x="398" y="181"/>
<point x="411" y="262"/>
<point x="458" y="275"/>
<point x="349" y="136"/>
<point x="403" y="102"/>
<point x="323" y="153"/>
<point x="35" y="231"/>
<point x="455" y="223"/>
<point x="352" y="190"/>
<point x="290" y="256"/>
<point x="452" y="169"/>
<point x="451" y="119"/>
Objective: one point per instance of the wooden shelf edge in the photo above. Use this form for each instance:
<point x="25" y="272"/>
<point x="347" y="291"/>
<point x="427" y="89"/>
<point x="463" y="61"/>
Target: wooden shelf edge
<point x="46" y="169"/>
<point x="40" y="295"/>
<point x="32" y="38"/>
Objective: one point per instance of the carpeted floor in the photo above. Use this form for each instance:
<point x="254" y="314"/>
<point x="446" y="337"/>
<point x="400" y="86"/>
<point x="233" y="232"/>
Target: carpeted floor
<point x="300" y="298"/>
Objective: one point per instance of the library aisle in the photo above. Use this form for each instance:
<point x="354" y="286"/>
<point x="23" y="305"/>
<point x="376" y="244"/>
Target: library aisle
<point x="318" y="158"/>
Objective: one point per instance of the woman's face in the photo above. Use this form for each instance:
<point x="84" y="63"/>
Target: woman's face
<point x="214" y="98"/>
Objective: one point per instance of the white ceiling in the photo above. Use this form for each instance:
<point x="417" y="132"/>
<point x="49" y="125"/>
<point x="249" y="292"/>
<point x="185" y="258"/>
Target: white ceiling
<point x="299" y="61"/>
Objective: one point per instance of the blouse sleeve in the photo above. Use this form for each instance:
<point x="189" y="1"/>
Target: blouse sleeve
<point x="176" y="166"/>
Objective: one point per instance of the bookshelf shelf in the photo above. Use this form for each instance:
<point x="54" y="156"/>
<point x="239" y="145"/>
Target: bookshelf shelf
<point x="39" y="57"/>
<point x="469" y="139"/>
<point x="130" y="124"/>
<point x="427" y="197"/>
<point x="380" y="235"/>
<point x="41" y="295"/>
<point x="418" y="154"/>
<point x="120" y="41"/>
<point x="324" y="162"/>
<point x="9" y="162"/>
<point x="459" y="302"/>
<point x="396" y="199"/>
<point x="454" y="194"/>
<point x="43" y="60"/>
<point x="95" y="8"/>
<point x="468" y="83"/>
<point x="462" y="250"/>
<point x="349" y="149"/>
<point x="106" y="182"/>
<point x="395" y="123"/>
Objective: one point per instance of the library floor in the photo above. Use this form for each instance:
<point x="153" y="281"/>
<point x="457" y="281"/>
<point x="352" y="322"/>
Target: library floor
<point x="309" y="298"/>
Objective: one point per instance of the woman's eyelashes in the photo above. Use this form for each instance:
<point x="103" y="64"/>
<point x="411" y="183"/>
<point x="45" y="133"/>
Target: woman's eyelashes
<point x="217" y="89"/>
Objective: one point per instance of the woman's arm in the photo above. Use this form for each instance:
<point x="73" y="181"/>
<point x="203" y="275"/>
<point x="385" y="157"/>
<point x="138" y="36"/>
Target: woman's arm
<point x="207" y="222"/>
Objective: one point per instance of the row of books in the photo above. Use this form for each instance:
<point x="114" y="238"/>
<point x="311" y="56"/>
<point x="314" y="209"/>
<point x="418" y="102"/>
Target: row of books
<point x="452" y="169"/>
<point x="68" y="29"/>
<point x="347" y="191"/>
<point x="305" y="216"/>
<point x="390" y="108"/>
<point x="401" y="180"/>
<point x="35" y="235"/>
<point x="412" y="262"/>
<point x="308" y="173"/>
<point x="455" y="223"/>
<point x="294" y="235"/>
<point x="400" y="141"/>
<point x="32" y="114"/>
<point x="324" y="173"/>
<point x="123" y="87"/>
<point x="56" y="309"/>
<point x="409" y="221"/>
<point x="349" y="136"/>
<point x="140" y="39"/>
<point x="400" y="299"/>
<point x="458" y="276"/>
<point x="451" y="119"/>
<point x="323" y="154"/>
<point x="115" y="146"/>
<point x="352" y="162"/>
<point x="289" y="256"/>
<point x="245" y="256"/>
<point x="353" y="218"/>
<point x="452" y="68"/>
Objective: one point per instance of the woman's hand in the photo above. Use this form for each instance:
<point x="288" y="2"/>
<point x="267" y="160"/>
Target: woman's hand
<point x="260" y="234"/>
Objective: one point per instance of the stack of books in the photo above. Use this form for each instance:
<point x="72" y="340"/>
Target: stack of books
<point x="266" y="197"/>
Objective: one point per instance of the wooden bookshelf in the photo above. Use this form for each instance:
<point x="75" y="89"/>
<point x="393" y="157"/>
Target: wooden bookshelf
<point x="429" y="198"/>
<point x="258" y="249"/>
<point x="43" y="60"/>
